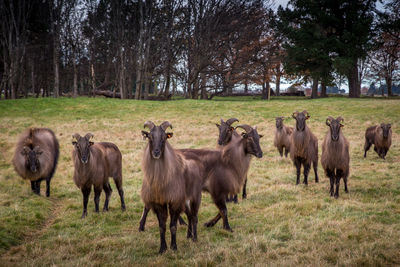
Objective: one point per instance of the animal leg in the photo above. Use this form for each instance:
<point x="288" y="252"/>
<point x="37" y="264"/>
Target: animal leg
<point x="118" y="184"/>
<point x="37" y="188"/>
<point x="331" y="175"/>
<point x="229" y="198"/>
<point x="143" y="219"/>
<point x="213" y="221"/>
<point x="162" y="214"/>
<point x="286" y="152"/>
<point x="33" y="186"/>
<point x="108" y="190"/>
<point x="315" y="166"/>
<point x="345" y="183"/>
<point x="280" y="149"/>
<point x="172" y="226"/>
<point x="85" y="193"/>
<point x="48" y="187"/>
<point x="297" y="163"/>
<point x="224" y="214"/>
<point x="306" y="171"/>
<point x="97" y="192"/>
<point x="367" y="146"/>
<point x="181" y="221"/>
<point x="338" y="176"/>
<point x="244" y="194"/>
<point x="189" y="233"/>
<point x="195" y="205"/>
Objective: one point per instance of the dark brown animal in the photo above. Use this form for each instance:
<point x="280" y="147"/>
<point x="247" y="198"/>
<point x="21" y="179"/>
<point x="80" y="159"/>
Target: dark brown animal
<point x="94" y="164"/>
<point x="304" y="147"/>
<point x="381" y="137"/>
<point x="335" y="157"/>
<point x="36" y="157"/>
<point x="171" y="182"/>
<point x="282" y="136"/>
<point x="226" y="134"/>
<point x="226" y="169"/>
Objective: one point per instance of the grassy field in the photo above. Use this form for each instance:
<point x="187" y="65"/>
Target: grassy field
<point x="279" y="224"/>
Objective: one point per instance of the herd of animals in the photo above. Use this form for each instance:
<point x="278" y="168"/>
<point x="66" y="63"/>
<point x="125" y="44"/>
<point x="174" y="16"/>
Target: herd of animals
<point x="175" y="178"/>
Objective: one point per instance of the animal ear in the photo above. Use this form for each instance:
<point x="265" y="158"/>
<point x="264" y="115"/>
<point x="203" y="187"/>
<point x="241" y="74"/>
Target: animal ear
<point x="390" y="125"/>
<point x="231" y="129"/>
<point x="145" y="135"/>
<point x="75" y="138"/>
<point x="260" y="135"/>
<point x="244" y="135"/>
<point x="294" y="115"/>
<point x="25" y="150"/>
<point x="308" y="116"/>
<point x="217" y="125"/>
<point x="169" y="135"/>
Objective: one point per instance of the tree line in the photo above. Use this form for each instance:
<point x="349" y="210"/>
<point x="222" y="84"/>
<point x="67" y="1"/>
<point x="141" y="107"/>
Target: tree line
<point x="196" y="48"/>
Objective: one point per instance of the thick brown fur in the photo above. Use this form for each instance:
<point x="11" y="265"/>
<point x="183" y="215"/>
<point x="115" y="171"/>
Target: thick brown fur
<point x="171" y="181"/>
<point x="282" y="139"/>
<point x="32" y="139"/>
<point x="335" y="158"/>
<point x="304" y="149"/>
<point x="105" y="160"/>
<point x="374" y="136"/>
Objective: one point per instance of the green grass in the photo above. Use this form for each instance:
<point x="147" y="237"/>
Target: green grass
<point x="279" y="224"/>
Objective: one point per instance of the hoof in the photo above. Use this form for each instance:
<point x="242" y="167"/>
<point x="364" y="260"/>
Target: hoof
<point x="162" y="250"/>
<point x="209" y="224"/>
<point x="141" y="228"/>
<point x="229" y="229"/>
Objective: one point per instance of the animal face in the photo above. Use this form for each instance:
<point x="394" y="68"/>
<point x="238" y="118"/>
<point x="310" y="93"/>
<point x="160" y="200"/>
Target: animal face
<point x="301" y="118"/>
<point x="279" y="122"/>
<point x="32" y="158"/>
<point x="334" y="126"/>
<point x="252" y="139"/>
<point x="82" y="145"/>
<point x="225" y="133"/>
<point x="386" y="129"/>
<point x="157" y="138"/>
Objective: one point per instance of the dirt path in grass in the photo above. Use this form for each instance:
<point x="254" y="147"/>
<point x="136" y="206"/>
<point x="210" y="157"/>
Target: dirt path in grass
<point x="14" y="255"/>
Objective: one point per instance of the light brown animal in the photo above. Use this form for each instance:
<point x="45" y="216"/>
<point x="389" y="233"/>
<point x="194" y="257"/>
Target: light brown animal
<point x="94" y="164"/>
<point x="171" y="182"/>
<point x="335" y="157"/>
<point x="303" y="147"/>
<point x="283" y="135"/>
<point x="36" y="157"/>
<point x="381" y="137"/>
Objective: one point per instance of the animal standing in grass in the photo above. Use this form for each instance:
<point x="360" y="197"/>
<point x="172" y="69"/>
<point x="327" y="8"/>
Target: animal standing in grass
<point x="171" y="182"/>
<point x="94" y="164"/>
<point x="335" y="157"/>
<point x="36" y="157"/>
<point x="283" y="134"/>
<point x="304" y="147"/>
<point x="381" y="137"/>
<point x="227" y="133"/>
<point x="225" y="170"/>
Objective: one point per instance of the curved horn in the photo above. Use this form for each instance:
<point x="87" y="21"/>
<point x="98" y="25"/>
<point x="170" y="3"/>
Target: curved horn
<point x="340" y="119"/>
<point x="76" y="137"/>
<point x="165" y="125"/>
<point x="231" y="120"/>
<point x="89" y="136"/>
<point x="306" y="112"/>
<point x="294" y="115"/>
<point x="222" y="121"/>
<point x="329" y="120"/>
<point x="149" y="124"/>
<point x="245" y="127"/>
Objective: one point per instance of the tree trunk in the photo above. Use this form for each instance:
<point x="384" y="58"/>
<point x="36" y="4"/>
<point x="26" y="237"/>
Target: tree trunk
<point x="138" y="82"/>
<point x="146" y="86"/>
<point x="33" y="77"/>
<point x="268" y="87"/>
<point x="93" y="80"/>
<point x="246" y="86"/>
<point x="389" y="86"/>
<point x="203" y="86"/>
<point x="167" y="82"/>
<point x="314" y="92"/>
<point x="75" y="93"/>
<point x="264" y="91"/>
<point x="354" y="86"/>
<point x="121" y="82"/>
<point x="56" y="66"/>
<point x="323" y="89"/>
<point x="278" y="85"/>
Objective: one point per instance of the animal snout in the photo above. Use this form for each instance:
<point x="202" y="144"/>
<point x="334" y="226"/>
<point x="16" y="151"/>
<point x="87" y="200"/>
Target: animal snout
<point x="84" y="160"/>
<point x="33" y="168"/>
<point x="156" y="153"/>
<point x="259" y="155"/>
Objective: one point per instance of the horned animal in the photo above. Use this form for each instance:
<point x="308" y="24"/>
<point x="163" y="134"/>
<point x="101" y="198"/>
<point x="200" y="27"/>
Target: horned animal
<point x="226" y="169"/>
<point x="335" y="157"/>
<point x="171" y="182"/>
<point x="282" y="136"/>
<point x="381" y="137"/>
<point x="36" y="157"/>
<point x="303" y="147"/>
<point x="94" y="163"/>
<point x="226" y="134"/>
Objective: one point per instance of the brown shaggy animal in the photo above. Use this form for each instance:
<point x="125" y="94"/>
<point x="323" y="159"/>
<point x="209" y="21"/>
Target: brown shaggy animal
<point x="335" y="157"/>
<point x="226" y="169"/>
<point x="381" y="137"/>
<point x="226" y="134"/>
<point x="94" y="164"/>
<point x="304" y="147"/>
<point x="36" y="157"/>
<point x="171" y="182"/>
<point x="282" y="136"/>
